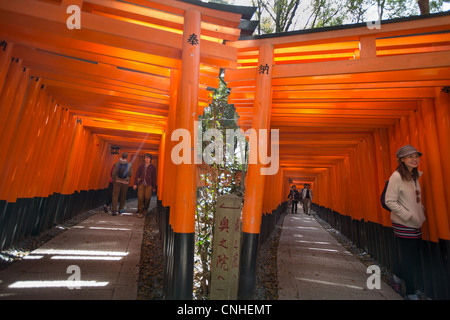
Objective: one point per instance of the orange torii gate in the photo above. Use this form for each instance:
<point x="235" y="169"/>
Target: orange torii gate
<point x="78" y="77"/>
<point x="343" y="99"/>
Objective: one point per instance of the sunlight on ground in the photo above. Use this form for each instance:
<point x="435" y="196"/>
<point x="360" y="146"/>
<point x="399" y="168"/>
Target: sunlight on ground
<point x="58" y="254"/>
<point x="330" y="283"/>
<point x="55" y="284"/>
<point x="80" y="252"/>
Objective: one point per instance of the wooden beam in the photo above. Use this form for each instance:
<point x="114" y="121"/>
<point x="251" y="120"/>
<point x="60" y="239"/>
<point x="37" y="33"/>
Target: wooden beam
<point x="52" y="18"/>
<point x="178" y="7"/>
<point x="121" y="126"/>
<point x="378" y="64"/>
<point x="412" y="27"/>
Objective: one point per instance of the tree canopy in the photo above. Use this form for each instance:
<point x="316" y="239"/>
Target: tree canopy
<point x="286" y="15"/>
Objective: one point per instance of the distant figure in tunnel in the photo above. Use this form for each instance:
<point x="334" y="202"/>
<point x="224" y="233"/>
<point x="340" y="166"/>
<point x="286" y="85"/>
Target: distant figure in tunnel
<point x="403" y="197"/>
<point x="294" y="195"/>
<point x="307" y="196"/>
<point x="109" y="192"/>
<point x="145" y="182"/>
<point x="121" y="176"/>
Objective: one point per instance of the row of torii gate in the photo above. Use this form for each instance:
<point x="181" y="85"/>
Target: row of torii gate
<point x="80" y="76"/>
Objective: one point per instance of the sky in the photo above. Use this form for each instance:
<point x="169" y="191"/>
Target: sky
<point x="303" y="12"/>
<point x="304" y="7"/>
<point x="305" y="4"/>
<point x="249" y="3"/>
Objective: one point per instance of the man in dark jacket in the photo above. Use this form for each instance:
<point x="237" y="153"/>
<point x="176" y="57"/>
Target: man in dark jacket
<point x="295" y="198"/>
<point x="145" y="182"/>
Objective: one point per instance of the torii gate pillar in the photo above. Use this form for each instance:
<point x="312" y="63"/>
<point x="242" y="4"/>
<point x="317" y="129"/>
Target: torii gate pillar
<point x="185" y="188"/>
<point x="254" y="190"/>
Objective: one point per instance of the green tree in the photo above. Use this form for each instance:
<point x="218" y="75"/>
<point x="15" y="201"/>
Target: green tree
<point x="281" y="15"/>
<point x="215" y="180"/>
<point x="357" y="10"/>
<point x="325" y="13"/>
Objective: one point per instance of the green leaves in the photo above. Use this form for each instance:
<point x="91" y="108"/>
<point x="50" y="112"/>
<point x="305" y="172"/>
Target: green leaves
<point x="214" y="180"/>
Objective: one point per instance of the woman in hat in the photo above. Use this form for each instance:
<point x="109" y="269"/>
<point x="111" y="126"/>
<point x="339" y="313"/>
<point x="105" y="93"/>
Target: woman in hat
<point x="403" y="197"/>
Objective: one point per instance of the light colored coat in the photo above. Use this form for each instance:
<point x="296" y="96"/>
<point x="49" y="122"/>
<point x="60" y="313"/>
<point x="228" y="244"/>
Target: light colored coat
<point x="304" y="193"/>
<point x="401" y="199"/>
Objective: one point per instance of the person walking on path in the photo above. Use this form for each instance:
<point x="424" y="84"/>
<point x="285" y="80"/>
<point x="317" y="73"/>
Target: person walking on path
<point x="121" y="174"/>
<point x="109" y="192"/>
<point x="403" y="197"/>
<point x="307" y="196"/>
<point x="145" y="183"/>
<point x="294" y="195"/>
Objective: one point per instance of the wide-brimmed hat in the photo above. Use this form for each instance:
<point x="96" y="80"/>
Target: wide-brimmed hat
<point x="407" y="150"/>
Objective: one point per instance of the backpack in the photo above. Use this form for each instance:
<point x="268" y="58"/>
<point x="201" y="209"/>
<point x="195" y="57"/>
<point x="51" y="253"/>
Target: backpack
<point x="382" y="197"/>
<point x="122" y="173"/>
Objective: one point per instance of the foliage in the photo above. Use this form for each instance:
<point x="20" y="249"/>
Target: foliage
<point x="281" y="12"/>
<point x="325" y="13"/>
<point x="215" y="180"/>
<point x="286" y="15"/>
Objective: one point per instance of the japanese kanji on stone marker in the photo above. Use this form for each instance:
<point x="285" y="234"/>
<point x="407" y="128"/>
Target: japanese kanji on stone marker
<point x="226" y="248"/>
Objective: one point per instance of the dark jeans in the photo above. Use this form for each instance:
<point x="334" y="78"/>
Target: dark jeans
<point x="109" y="194"/>
<point x="410" y="266"/>
<point x="294" y="204"/>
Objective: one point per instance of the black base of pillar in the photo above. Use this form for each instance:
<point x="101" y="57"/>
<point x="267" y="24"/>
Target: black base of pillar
<point x="183" y="266"/>
<point x="247" y="272"/>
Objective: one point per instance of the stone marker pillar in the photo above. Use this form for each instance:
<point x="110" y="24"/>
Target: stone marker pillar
<point x="226" y="248"/>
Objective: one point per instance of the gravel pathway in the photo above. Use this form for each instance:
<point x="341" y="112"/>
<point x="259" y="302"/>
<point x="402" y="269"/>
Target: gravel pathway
<point x="151" y="267"/>
<point x="150" y="285"/>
